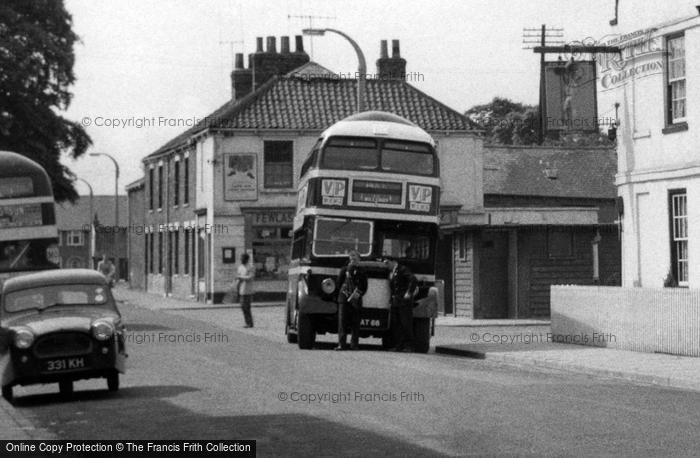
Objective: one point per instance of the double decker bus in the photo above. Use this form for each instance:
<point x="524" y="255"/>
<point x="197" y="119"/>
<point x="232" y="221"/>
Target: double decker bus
<point x="28" y="234"/>
<point x="371" y="183"/>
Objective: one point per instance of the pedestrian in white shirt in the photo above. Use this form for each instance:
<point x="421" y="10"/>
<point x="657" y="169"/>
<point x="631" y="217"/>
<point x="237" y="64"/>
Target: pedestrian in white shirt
<point x="246" y="274"/>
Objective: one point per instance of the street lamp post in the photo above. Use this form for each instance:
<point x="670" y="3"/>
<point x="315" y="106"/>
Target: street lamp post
<point x="116" y="205"/>
<point x="361" y="68"/>
<point x="92" y="222"/>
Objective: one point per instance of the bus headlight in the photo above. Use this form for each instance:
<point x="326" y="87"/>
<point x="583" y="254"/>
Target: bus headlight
<point x="328" y="285"/>
<point x="23" y="338"/>
<point x="102" y="330"/>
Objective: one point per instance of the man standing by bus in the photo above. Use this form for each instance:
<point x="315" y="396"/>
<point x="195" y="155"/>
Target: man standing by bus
<point x="353" y="285"/>
<point x="107" y="269"/>
<point x="402" y="284"/>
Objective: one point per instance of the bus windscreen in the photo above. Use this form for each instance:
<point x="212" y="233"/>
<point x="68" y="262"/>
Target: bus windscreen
<point x="336" y="237"/>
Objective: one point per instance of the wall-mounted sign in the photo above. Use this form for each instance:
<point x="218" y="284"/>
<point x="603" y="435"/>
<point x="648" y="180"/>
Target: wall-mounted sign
<point x="228" y="255"/>
<point x="332" y="192"/>
<point x="240" y="177"/>
<point x="641" y="55"/>
<point x="420" y="197"/>
<point x="570" y="93"/>
<point x="376" y="192"/>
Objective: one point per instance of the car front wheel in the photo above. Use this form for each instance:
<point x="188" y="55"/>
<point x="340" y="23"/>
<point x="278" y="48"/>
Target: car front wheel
<point x="113" y="381"/>
<point x="65" y="387"/>
<point x="7" y="393"/>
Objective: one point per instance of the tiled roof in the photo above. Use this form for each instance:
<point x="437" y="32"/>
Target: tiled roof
<point x="287" y="102"/>
<point x="76" y="216"/>
<point x="580" y="172"/>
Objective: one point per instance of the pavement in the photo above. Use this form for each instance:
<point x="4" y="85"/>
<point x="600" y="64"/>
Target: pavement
<point x="522" y="343"/>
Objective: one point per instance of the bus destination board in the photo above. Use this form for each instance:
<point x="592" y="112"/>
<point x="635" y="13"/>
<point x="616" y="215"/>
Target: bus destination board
<point x="376" y="192"/>
<point x="20" y="215"/>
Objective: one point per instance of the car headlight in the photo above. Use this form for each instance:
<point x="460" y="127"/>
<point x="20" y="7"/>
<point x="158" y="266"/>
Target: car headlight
<point x="23" y="338"/>
<point x="102" y="330"/>
<point x="328" y="285"/>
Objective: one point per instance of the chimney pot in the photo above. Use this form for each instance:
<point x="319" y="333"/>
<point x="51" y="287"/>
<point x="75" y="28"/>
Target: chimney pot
<point x="395" y="54"/>
<point x="383" y="53"/>
<point x="299" y="43"/>
<point x="284" y="45"/>
<point x="271" y="44"/>
<point x="239" y="61"/>
<point x="259" y="47"/>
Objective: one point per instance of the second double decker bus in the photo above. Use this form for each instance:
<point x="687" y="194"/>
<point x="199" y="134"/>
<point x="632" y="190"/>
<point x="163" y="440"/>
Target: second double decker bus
<point x="28" y="233"/>
<point x="371" y="183"/>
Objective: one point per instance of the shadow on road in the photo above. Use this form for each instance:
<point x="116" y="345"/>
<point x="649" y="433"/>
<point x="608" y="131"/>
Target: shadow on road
<point x="141" y="413"/>
<point x="137" y="392"/>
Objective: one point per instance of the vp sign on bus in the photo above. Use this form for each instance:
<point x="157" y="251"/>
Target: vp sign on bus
<point x="420" y="197"/>
<point x="333" y="192"/>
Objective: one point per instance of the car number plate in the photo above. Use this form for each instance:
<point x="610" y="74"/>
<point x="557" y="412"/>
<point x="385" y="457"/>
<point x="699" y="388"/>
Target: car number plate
<point x="64" y="364"/>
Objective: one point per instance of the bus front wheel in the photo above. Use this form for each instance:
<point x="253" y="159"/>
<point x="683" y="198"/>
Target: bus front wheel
<point x="421" y="335"/>
<point x="306" y="334"/>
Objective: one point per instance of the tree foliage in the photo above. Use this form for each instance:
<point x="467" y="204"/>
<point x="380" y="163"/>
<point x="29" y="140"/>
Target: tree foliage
<point x="36" y="71"/>
<point x="505" y="122"/>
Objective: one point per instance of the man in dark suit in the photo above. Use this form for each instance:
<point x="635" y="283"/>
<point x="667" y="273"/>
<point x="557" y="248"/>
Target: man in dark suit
<point x="402" y="284"/>
<point x="353" y="285"/>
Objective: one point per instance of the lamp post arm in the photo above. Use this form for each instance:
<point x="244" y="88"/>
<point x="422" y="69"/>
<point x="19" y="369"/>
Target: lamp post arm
<point x="361" y="69"/>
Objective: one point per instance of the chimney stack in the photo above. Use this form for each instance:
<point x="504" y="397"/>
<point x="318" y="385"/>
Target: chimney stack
<point x="393" y="67"/>
<point x="241" y="79"/>
<point x="299" y="43"/>
<point x="265" y="64"/>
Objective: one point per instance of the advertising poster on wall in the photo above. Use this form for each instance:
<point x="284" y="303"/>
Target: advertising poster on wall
<point x="240" y="177"/>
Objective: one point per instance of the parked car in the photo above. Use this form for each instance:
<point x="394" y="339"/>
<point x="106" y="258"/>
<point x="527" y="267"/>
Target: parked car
<point x="59" y="326"/>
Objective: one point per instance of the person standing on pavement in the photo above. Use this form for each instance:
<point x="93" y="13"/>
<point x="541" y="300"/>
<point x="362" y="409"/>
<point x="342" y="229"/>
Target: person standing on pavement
<point x="106" y="268"/>
<point x="246" y="274"/>
<point x="402" y="285"/>
<point x="353" y="285"/>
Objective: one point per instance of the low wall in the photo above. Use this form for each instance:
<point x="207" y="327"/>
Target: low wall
<point x="638" y="319"/>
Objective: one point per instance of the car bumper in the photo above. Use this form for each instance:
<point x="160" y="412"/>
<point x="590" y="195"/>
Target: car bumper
<point x="23" y="367"/>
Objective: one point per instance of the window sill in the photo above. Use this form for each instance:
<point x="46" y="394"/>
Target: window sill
<point x="673" y="128"/>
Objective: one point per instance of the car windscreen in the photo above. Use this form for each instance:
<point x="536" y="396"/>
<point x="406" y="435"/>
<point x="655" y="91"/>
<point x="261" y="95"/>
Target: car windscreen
<point x="43" y="297"/>
<point x="336" y="237"/>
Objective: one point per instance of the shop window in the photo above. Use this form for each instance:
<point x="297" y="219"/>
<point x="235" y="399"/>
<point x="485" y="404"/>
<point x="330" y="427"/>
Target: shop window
<point x="175" y="253"/>
<point x="160" y="252"/>
<point x="679" y="236"/>
<point x="676" y="89"/>
<point x="278" y="164"/>
<point x="186" y="252"/>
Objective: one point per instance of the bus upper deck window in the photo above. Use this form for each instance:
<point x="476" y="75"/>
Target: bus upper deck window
<point x="351" y="154"/>
<point x="408" y="157"/>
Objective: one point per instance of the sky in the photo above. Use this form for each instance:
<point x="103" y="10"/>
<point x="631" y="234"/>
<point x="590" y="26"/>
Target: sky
<point x="171" y="59"/>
